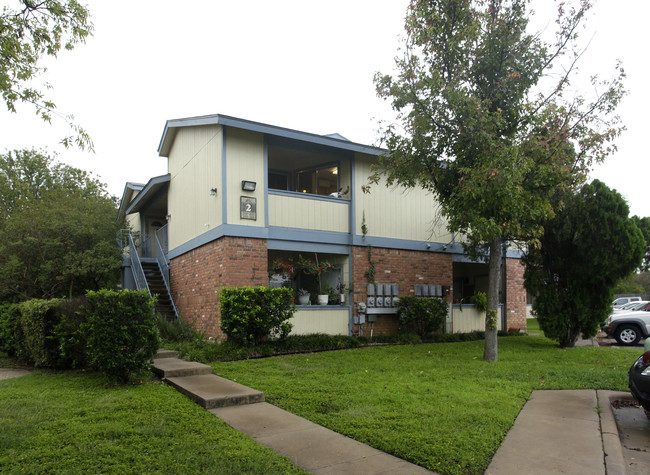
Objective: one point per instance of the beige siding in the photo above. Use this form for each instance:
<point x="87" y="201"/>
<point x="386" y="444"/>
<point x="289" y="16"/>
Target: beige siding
<point x="244" y="161"/>
<point x="397" y="212"/>
<point x="469" y="319"/>
<point x="195" y="168"/>
<point x="133" y="220"/>
<point x="330" y="322"/>
<point x="306" y="213"/>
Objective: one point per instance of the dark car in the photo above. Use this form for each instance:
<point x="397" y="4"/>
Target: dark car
<point x="638" y="379"/>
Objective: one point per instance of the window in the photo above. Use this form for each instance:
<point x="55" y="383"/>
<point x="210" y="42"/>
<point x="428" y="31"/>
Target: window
<point x="314" y="170"/>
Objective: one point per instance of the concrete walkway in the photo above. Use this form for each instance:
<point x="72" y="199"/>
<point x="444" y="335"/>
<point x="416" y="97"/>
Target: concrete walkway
<point x="308" y="445"/>
<point x="6" y="373"/>
<point x="571" y="432"/>
<point x="563" y="432"/>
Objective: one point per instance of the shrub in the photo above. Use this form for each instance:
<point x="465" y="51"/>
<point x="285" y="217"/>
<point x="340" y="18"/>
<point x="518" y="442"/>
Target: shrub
<point x="251" y="314"/>
<point x="421" y="315"/>
<point x="69" y="332"/>
<point x="38" y="345"/>
<point x="121" y="332"/>
<point x="9" y="320"/>
<point x="174" y="329"/>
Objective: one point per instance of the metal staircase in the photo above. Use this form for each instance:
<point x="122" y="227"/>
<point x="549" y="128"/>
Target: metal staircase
<point x="156" y="283"/>
<point x="150" y="273"/>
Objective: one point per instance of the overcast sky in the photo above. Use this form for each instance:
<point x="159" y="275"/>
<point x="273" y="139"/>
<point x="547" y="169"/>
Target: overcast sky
<point x="300" y="64"/>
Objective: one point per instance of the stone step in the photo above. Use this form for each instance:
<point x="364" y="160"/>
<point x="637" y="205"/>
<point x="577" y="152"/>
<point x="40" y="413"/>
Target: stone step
<point x="211" y="391"/>
<point x="173" y="367"/>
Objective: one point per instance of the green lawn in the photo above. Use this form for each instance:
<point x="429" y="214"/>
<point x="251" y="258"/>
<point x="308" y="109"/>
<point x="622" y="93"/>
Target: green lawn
<point x="532" y="326"/>
<point x="78" y="423"/>
<point x="436" y="405"/>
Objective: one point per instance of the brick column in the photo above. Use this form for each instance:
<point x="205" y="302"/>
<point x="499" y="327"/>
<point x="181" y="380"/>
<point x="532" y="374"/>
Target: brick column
<point x="197" y="276"/>
<point x="515" y="295"/>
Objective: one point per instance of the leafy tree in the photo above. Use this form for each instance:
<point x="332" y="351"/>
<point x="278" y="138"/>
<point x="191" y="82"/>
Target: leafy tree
<point x="474" y="132"/>
<point x="585" y="249"/>
<point x="629" y="285"/>
<point x="28" y="32"/>
<point x="644" y="225"/>
<point x="26" y="174"/>
<point x="57" y="232"/>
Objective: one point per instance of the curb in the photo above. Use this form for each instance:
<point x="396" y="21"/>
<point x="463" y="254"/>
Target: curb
<point x="612" y="447"/>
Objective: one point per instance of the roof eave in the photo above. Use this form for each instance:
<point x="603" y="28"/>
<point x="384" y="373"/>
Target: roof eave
<point x="171" y="126"/>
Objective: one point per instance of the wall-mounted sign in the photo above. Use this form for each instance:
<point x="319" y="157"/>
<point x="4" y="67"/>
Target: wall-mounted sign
<point x="248" y="208"/>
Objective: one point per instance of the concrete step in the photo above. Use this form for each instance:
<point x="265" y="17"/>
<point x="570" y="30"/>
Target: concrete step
<point x="174" y="367"/>
<point x="211" y="391"/>
<point x="167" y="354"/>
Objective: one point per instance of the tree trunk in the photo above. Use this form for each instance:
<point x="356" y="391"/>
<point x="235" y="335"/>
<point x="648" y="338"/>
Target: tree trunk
<point x="490" y="351"/>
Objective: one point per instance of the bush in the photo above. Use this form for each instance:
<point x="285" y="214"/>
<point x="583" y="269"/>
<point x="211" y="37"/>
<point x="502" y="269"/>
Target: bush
<point x="9" y="319"/>
<point x="121" y="332"/>
<point x="421" y="315"/>
<point x="175" y="329"/>
<point x="251" y="314"/>
<point x="69" y="332"/>
<point x="38" y="319"/>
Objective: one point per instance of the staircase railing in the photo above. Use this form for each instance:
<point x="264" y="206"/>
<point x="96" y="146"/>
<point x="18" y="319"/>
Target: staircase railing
<point x="161" y="257"/>
<point x="136" y="267"/>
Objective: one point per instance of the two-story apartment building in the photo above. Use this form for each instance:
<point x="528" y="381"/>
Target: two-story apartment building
<point x="241" y="196"/>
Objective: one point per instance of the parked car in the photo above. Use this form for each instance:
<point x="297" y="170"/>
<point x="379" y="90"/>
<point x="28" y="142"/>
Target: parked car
<point x="632" y="306"/>
<point x="624" y="300"/>
<point x="628" y="327"/>
<point x="638" y="379"/>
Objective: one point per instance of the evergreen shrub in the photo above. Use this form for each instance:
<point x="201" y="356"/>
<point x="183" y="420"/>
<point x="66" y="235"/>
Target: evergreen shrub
<point x="121" y="332"/>
<point x="251" y="314"/>
<point x="421" y="315"/>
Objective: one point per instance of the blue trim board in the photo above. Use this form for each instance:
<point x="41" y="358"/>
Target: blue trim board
<point x="308" y="196"/>
<point x="224" y="181"/>
<point x="217" y="119"/>
<point x="303" y="239"/>
<point x="279" y="245"/>
<point x="266" y="182"/>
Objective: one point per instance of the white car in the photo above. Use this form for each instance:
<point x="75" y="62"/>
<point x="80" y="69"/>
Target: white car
<point x="630" y="307"/>
<point x="629" y="327"/>
<point x="623" y="300"/>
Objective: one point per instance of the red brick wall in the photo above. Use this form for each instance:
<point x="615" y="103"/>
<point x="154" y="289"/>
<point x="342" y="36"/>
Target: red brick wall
<point x="396" y="266"/>
<point x="515" y="294"/>
<point x="197" y="275"/>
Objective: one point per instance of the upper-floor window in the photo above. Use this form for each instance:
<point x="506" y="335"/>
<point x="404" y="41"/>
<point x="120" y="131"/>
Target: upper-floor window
<point x="313" y="170"/>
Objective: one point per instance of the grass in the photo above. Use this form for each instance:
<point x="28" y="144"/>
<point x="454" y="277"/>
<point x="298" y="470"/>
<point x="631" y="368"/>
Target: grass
<point x="532" y="326"/>
<point x="79" y="423"/>
<point x="436" y="405"/>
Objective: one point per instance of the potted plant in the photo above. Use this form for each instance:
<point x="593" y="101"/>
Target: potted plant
<point x="323" y="296"/>
<point x="316" y="269"/>
<point x="334" y="297"/>
<point x="303" y="297"/>
<point x="341" y="290"/>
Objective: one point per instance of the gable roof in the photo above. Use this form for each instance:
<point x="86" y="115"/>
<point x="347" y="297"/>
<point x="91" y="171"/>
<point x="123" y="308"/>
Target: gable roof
<point x="127" y="195"/>
<point x="333" y="140"/>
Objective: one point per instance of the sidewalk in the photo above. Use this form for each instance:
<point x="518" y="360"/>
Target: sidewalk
<point x="563" y="432"/>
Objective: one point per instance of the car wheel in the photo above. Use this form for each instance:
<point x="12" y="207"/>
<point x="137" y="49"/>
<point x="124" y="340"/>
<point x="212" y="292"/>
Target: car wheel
<point x="627" y="335"/>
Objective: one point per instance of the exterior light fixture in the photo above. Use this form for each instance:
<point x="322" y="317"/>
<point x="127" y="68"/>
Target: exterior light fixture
<point x="213" y="192"/>
<point x="248" y="185"/>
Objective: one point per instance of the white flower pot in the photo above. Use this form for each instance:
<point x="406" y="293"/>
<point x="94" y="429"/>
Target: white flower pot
<point x="303" y="299"/>
<point x="322" y="299"/>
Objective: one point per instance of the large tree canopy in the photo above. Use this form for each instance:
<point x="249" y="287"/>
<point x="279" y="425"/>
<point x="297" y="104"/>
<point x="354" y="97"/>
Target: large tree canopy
<point x="57" y="230"/>
<point x="475" y="129"/>
<point x="585" y="249"/>
<point x="29" y="31"/>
